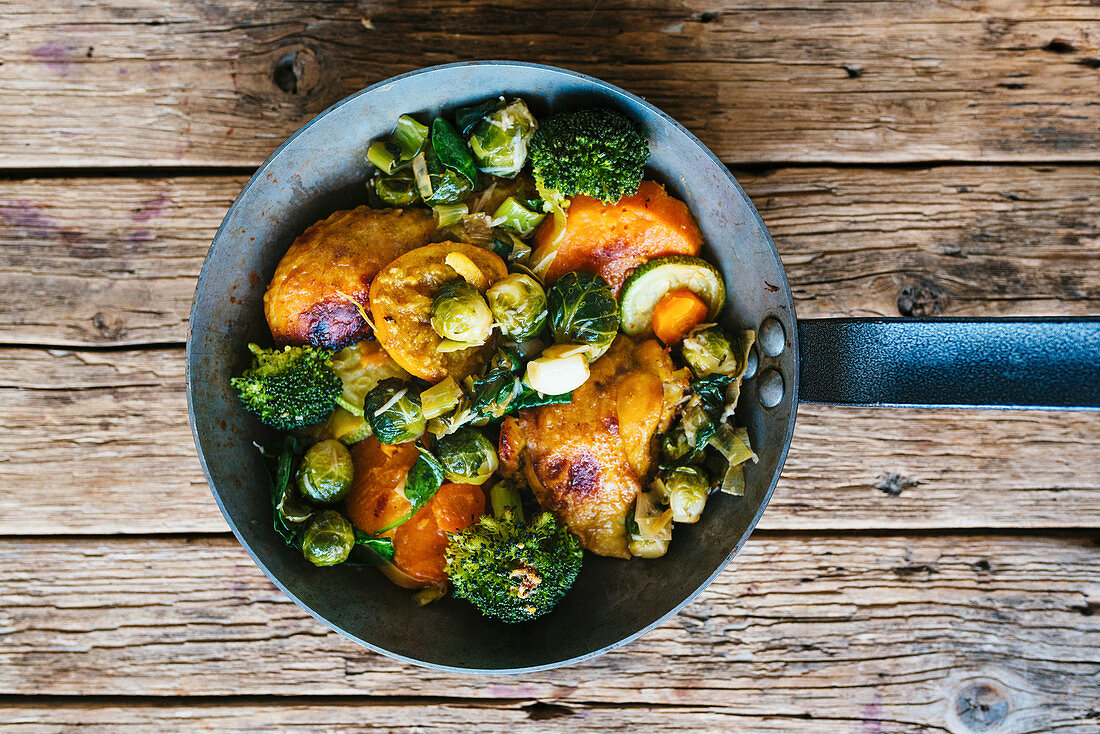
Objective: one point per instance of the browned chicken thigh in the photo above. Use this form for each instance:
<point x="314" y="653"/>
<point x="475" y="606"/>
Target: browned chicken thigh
<point x="587" y="460"/>
<point x="320" y="290"/>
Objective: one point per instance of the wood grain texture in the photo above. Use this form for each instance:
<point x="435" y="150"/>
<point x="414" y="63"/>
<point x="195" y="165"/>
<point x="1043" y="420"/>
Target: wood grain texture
<point x="216" y="83"/>
<point x="82" y="268"/>
<point x="311" y="715"/>
<point x="893" y="632"/>
<point x="98" y="442"/>
<point x="360" y="715"/>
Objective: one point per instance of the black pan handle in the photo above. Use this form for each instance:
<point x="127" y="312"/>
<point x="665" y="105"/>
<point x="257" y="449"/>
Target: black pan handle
<point x="1041" y="363"/>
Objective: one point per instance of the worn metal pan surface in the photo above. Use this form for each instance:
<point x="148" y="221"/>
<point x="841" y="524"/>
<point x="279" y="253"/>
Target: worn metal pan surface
<point x="320" y="169"/>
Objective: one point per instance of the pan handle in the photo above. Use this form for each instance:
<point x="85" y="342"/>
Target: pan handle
<point x="1036" y="363"/>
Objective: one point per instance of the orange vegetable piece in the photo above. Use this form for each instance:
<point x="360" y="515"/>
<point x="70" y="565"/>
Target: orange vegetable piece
<point x="374" y="502"/>
<point x="456" y="506"/>
<point x="418" y="548"/>
<point x="613" y="239"/>
<point x="677" y="313"/>
<point x="420" y="544"/>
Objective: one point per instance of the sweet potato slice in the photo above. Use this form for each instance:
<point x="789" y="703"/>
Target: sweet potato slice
<point x="613" y="239"/>
<point x="401" y="304"/>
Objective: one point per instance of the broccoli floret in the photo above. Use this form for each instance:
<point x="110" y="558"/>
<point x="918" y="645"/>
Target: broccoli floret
<point x="598" y="152"/>
<point x="511" y="569"/>
<point x="290" y="388"/>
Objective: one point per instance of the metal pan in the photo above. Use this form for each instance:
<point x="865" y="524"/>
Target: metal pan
<point x="1037" y="363"/>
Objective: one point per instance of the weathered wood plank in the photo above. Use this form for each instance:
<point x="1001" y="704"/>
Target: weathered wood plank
<point x="98" y="442"/>
<point x="224" y="82"/>
<point x="359" y="715"/>
<point x="81" y="267"/>
<point x="895" y="632"/>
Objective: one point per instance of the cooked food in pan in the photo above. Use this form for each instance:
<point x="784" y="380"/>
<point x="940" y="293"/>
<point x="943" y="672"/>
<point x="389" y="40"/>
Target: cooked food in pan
<point x="507" y="358"/>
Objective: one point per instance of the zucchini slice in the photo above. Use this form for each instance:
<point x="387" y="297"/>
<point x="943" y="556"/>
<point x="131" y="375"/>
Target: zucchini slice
<point x="649" y="282"/>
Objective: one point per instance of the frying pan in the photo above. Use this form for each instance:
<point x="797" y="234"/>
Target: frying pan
<point x="1029" y="363"/>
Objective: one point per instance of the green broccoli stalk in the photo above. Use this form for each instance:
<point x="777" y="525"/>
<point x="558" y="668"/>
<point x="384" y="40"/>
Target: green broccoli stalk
<point x="291" y="388"/>
<point x="598" y="152"/>
<point x="512" y="569"/>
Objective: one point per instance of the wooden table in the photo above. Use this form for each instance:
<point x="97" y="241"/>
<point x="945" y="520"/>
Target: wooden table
<point x="916" y="571"/>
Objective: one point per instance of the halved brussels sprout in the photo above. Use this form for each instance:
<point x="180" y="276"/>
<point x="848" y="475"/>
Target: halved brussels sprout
<point x="583" y="310"/>
<point x="328" y="539"/>
<point x="393" y="412"/>
<point x="710" y="349"/>
<point x="467" y="456"/>
<point x="499" y="141"/>
<point x="518" y="304"/>
<point x="687" y="489"/>
<point x="326" y="471"/>
<point x="460" y="314"/>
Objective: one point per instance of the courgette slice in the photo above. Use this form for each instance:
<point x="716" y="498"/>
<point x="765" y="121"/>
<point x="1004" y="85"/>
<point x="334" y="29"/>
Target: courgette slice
<point x="650" y="281"/>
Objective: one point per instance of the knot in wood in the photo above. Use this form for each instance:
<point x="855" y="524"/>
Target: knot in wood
<point x="921" y="299"/>
<point x="297" y="71"/>
<point x="981" y="705"/>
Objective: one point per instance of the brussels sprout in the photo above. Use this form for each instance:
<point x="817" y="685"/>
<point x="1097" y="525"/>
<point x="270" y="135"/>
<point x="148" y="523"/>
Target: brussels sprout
<point x="393" y="412"/>
<point x="325" y="473"/>
<point x="687" y="490"/>
<point x="328" y="539"/>
<point x="675" y="445"/>
<point x="583" y="310"/>
<point x="396" y="190"/>
<point x="499" y="141"/>
<point x="460" y="314"/>
<point x="711" y="350"/>
<point x="467" y="456"/>
<point x="518" y="304"/>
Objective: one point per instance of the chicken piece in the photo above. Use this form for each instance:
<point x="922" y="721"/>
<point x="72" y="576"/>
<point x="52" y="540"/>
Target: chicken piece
<point x="320" y="289"/>
<point x="613" y="239"/>
<point x="587" y="460"/>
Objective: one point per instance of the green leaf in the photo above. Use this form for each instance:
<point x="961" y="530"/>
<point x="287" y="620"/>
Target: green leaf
<point x="470" y="115"/>
<point x="381" y="547"/>
<point x="712" y="391"/>
<point x="424" y="480"/>
<point x="452" y="149"/>
<point x="288" y="508"/>
<point x="533" y="399"/>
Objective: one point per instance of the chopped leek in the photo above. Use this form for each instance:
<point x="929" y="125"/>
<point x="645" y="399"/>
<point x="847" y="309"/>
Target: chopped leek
<point x="396" y="190"/>
<point x="734" y="446"/>
<point x="384" y="156"/>
<point x="515" y="217"/>
<point x="448" y="214"/>
<point x="420" y="173"/>
<point x="409" y="136"/>
<point x="440" y="398"/>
